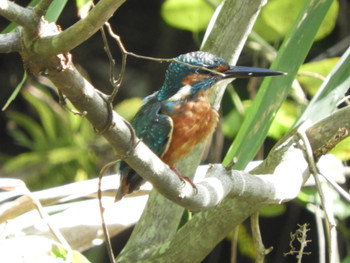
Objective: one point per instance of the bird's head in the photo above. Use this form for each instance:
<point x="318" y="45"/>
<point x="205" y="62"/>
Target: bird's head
<point x="190" y="75"/>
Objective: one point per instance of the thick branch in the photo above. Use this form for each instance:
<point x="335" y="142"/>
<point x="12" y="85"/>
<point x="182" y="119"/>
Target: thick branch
<point x="80" y="31"/>
<point x="15" y="13"/>
<point x="10" y="42"/>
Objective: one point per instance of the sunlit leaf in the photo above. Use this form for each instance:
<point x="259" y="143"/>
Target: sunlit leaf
<point x="308" y="73"/>
<point x="24" y="161"/>
<point x="342" y="149"/>
<point x="277" y="17"/>
<point x="272" y="210"/>
<point x="55" y="10"/>
<point x="128" y="108"/>
<point x="284" y="120"/>
<point x="192" y="15"/>
<point x="331" y="92"/>
<point x="83" y="7"/>
<point x="233" y="121"/>
<point x="77" y="257"/>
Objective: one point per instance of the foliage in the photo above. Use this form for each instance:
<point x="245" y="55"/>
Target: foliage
<point x="290" y="57"/>
<point x="60" y="144"/>
<point x="191" y="15"/>
<point x="273" y="24"/>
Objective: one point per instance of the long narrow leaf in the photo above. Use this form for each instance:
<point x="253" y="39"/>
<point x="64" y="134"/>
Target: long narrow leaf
<point x="330" y="93"/>
<point x="55" y="10"/>
<point x="274" y="90"/>
<point x="15" y="92"/>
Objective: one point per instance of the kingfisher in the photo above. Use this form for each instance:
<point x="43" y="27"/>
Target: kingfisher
<point x="173" y="120"/>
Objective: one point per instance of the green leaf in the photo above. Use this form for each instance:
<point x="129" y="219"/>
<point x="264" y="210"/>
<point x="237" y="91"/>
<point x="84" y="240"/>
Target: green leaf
<point x="83" y="7"/>
<point x="15" y="92"/>
<point x="25" y="161"/>
<point x="55" y="10"/>
<point x="128" y="108"/>
<point x="77" y="257"/>
<point x="307" y="71"/>
<point x="46" y="115"/>
<point x="272" y="210"/>
<point x="342" y="150"/>
<point x="65" y="154"/>
<point x="191" y="15"/>
<point x="331" y="92"/>
<point x="274" y="90"/>
<point x="34" y="130"/>
<point x="273" y="24"/>
<point x="284" y="120"/>
<point x="233" y="121"/>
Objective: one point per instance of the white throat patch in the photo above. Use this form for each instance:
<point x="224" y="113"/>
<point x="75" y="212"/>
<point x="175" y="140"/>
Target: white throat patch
<point x="184" y="92"/>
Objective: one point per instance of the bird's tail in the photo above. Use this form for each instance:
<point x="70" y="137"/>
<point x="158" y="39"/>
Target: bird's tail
<point x="130" y="181"/>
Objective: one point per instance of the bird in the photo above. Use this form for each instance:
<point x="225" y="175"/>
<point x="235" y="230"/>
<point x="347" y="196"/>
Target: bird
<point x="173" y="120"/>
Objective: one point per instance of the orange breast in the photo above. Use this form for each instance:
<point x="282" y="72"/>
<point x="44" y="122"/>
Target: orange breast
<point x="193" y="122"/>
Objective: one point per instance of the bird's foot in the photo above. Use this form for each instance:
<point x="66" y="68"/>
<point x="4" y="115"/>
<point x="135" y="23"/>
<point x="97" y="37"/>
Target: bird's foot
<point x="109" y="122"/>
<point x="62" y="101"/>
<point x="182" y="178"/>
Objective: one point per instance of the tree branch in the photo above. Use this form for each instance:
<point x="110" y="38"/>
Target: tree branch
<point x="16" y="13"/>
<point x="10" y="42"/>
<point x="79" y="32"/>
<point x="41" y="8"/>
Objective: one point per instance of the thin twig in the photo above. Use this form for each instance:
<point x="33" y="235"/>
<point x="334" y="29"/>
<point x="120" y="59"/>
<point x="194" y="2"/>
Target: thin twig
<point x="127" y="53"/>
<point x="112" y="78"/>
<point x="260" y="249"/>
<point x="102" y="209"/>
<point x="63" y="103"/>
<point x="327" y="208"/>
<point x="234" y="241"/>
<point x="301" y="236"/>
<point x="320" y="234"/>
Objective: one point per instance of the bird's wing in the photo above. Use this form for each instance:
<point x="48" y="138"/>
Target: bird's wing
<point x="152" y="127"/>
<point x="155" y="130"/>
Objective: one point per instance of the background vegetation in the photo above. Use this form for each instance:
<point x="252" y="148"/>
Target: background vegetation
<point x="46" y="146"/>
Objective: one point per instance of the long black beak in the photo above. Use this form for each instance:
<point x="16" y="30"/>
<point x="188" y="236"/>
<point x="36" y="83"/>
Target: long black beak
<point x="249" y="72"/>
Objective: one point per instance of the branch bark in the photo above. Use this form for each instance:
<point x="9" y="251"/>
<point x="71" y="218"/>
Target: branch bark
<point x="16" y="13"/>
<point x="10" y="42"/>
<point x="41" y="8"/>
<point x="73" y="36"/>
